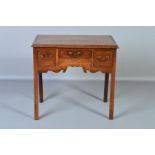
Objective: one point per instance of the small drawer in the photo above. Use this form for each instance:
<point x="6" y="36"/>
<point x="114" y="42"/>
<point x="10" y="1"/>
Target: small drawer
<point x="75" y="53"/>
<point x="102" y="58"/>
<point x="46" y="57"/>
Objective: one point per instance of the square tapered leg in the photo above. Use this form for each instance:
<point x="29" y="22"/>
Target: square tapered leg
<point x="41" y="88"/>
<point x="36" y="87"/>
<point x="106" y="82"/>
<point x="112" y="88"/>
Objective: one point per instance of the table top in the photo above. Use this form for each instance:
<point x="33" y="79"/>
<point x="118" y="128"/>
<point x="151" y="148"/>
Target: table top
<point x="81" y="41"/>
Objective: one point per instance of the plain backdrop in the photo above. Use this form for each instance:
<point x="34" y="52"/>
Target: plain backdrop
<point x="135" y="58"/>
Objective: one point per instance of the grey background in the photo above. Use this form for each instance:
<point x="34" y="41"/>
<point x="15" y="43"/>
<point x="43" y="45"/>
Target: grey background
<point x="135" y="56"/>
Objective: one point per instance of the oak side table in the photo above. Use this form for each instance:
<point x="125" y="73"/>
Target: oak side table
<point x="57" y="52"/>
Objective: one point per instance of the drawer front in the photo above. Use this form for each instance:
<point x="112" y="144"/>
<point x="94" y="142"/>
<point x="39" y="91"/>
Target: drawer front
<point x="46" y="57"/>
<point x="75" y="53"/>
<point x="102" y="58"/>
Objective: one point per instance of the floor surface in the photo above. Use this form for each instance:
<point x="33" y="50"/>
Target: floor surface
<point x="77" y="105"/>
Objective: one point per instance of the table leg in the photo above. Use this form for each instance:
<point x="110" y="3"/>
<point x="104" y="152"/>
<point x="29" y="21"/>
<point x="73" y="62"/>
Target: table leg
<point x="40" y="87"/>
<point x="112" y="89"/>
<point x="106" y="87"/>
<point x="36" y="87"/>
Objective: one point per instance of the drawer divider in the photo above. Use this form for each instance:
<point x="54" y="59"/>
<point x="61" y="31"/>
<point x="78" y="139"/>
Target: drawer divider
<point x="57" y="57"/>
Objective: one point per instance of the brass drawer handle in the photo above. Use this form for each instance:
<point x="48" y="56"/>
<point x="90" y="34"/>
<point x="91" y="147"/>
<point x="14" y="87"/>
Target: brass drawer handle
<point x="46" y="56"/>
<point x="74" y="54"/>
<point x="103" y="58"/>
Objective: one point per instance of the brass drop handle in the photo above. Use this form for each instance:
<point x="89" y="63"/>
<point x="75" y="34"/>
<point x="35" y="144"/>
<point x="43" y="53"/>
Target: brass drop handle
<point x="103" y="58"/>
<point x="46" y="56"/>
<point x="70" y="53"/>
<point x="79" y="53"/>
<point x="75" y="54"/>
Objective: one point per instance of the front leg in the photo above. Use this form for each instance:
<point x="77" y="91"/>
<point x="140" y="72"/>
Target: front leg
<point x="36" y="83"/>
<point x="112" y="89"/>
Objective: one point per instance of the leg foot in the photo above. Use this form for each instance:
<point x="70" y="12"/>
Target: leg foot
<point x="111" y="116"/>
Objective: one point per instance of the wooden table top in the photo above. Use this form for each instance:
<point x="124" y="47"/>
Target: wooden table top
<point x="80" y="41"/>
